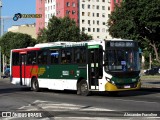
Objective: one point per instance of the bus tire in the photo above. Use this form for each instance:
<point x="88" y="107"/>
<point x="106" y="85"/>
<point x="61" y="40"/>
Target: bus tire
<point x="82" y="88"/>
<point x="35" y="85"/>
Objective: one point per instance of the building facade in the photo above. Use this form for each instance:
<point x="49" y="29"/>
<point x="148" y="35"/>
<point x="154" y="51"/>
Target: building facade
<point x="40" y="9"/>
<point x="90" y="15"/>
<point x="29" y="29"/>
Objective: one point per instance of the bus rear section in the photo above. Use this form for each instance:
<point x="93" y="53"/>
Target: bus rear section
<point x="22" y="66"/>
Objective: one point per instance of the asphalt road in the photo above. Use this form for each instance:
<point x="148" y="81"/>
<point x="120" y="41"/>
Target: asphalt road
<point x="66" y="103"/>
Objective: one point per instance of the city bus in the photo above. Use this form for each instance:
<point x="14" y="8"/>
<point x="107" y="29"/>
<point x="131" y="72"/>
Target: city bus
<point x="95" y="65"/>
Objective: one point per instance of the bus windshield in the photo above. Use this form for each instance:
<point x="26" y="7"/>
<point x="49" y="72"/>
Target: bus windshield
<point x="122" y="60"/>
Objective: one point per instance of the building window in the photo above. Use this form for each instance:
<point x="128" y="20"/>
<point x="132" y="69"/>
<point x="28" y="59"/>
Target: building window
<point x="67" y="4"/>
<point x="93" y="6"/>
<point x="108" y="8"/>
<point x="67" y="12"/>
<point x="73" y="12"/>
<point x="97" y="14"/>
<point x="83" y="21"/>
<point x="83" y="6"/>
<point x="98" y="30"/>
<point x="103" y="0"/>
<point x="89" y="6"/>
<point x="89" y="29"/>
<point x="93" y="14"/>
<point x="48" y="1"/>
<point x="103" y="7"/>
<point x="89" y="22"/>
<point x="104" y="23"/>
<point x="97" y="22"/>
<point x="98" y="7"/>
<point x="103" y="15"/>
<point x="108" y="15"/>
<point x="97" y="0"/>
<point x="83" y="13"/>
<point x="97" y="36"/>
<point x="73" y="4"/>
<point x="93" y="22"/>
<point x="88" y="13"/>
<point x="93" y="29"/>
<point x="83" y="29"/>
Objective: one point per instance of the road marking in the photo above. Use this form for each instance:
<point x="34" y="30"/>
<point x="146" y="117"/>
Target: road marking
<point x="137" y="101"/>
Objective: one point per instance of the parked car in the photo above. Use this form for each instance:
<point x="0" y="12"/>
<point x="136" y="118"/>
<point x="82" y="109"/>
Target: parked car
<point x="153" y="71"/>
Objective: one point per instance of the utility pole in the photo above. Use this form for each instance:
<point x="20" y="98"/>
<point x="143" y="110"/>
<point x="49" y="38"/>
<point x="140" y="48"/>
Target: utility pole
<point x="150" y="61"/>
<point x="0" y="34"/>
<point x="0" y="18"/>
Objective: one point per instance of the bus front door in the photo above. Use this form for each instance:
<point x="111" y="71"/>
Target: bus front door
<point x="22" y="69"/>
<point x="94" y="67"/>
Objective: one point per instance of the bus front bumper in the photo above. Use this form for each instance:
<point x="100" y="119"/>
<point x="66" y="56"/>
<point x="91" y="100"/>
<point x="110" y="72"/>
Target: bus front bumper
<point x="110" y="87"/>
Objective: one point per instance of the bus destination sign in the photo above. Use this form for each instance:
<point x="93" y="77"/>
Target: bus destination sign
<point x="122" y="44"/>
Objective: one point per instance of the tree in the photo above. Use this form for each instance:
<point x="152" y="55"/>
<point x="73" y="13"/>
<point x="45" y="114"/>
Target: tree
<point x="42" y="37"/>
<point x="12" y="40"/>
<point x="62" y="29"/>
<point x="138" y="20"/>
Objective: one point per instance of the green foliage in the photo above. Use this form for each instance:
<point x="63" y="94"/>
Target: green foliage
<point x="138" y="20"/>
<point x="62" y="29"/>
<point x="12" y="40"/>
<point x="42" y="37"/>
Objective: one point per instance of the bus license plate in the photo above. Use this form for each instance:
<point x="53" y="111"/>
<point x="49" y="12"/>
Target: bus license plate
<point x="127" y="86"/>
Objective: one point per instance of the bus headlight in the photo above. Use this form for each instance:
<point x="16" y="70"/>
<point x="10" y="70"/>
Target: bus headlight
<point x="113" y="82"/>
<point x="109" y="80"/>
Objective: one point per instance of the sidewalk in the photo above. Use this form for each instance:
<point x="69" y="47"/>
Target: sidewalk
<point x="150" y="81"/>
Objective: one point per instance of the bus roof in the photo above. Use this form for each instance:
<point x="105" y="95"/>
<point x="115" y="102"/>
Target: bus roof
<point x="25" y="49"/>
<point x="66" y="43"/>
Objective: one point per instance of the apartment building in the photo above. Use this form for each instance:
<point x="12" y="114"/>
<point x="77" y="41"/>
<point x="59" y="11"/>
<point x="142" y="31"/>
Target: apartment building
<point x="90" y="15"/>
<point x="93" y="17"/>
<point x="40" y="9"/>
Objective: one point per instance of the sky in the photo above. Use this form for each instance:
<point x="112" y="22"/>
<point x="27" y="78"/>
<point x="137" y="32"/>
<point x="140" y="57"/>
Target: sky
<point x="11" y="7"/>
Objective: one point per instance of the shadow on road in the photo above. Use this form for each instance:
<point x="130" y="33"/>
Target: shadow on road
<point x="13" y="89"/>
<point x="10" y="88"/>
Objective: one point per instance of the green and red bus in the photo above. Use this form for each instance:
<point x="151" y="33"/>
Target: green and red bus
<point x="95" y="65"/>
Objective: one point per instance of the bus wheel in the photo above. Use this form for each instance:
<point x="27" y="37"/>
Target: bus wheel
<point x="83" y="88"/>
<point x="35" y="85"/>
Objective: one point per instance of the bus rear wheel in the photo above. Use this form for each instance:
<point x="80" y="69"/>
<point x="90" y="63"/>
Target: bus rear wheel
<point x="82" y="88"/>
<point x="35" y="85"/>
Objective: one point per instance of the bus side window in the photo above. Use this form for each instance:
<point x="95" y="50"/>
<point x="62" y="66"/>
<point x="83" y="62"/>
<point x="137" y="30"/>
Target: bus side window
<point x="31" y="58"/>
<point x="54" y="56"/>
<point x="15" y="58"/>
<point x="42" y="57"/>
<point x="79" y="55"/>
<point x="66" y="56"/>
